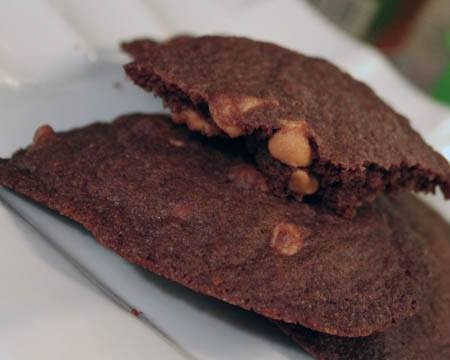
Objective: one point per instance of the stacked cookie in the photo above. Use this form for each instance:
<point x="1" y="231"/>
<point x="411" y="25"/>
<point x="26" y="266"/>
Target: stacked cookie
<point x="267" y="188"/>
<point x="311" y="129"/>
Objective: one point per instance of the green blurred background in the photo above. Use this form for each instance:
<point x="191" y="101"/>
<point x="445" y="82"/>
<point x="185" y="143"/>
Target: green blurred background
<point x="414" y="34"/>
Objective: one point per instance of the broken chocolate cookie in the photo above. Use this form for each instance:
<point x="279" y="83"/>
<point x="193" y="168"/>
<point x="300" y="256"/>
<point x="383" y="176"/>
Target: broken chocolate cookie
<point x="312" y="129"/>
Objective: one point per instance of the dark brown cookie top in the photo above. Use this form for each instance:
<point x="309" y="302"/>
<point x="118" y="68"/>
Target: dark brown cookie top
<point x="181" y="206"/>
<point x="239" y="87"/>
<point x="423" y="337"/>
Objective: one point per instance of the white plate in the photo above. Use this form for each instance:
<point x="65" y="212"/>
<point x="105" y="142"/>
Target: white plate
<point x="59" y="65"/>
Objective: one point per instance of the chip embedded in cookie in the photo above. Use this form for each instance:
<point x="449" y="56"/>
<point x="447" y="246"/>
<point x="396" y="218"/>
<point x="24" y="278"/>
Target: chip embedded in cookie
<point x="312" y="129"/>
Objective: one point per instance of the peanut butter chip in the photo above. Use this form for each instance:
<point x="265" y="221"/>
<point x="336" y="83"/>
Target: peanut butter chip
<point x="232" y="131"/>
<point x="43" y="133"/>
<point x="195" y="121"/>
<point x="176" y="142"/>
<point x="227" y="110"/>
<point x="245" y="176"/>
<point x="287" y="239"/>
<point x="290" y="144"/>
<point x="224" y="111"/>
<point x="247" y="103"/>
<point x="303" y="183"/>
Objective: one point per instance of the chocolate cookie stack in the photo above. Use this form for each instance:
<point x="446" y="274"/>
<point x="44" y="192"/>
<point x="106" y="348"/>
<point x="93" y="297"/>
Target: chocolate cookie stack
<point x="268" y="189"/>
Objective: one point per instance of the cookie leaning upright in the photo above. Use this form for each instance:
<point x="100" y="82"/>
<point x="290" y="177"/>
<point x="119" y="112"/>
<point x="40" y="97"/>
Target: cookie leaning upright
<point x="313" y="129"/>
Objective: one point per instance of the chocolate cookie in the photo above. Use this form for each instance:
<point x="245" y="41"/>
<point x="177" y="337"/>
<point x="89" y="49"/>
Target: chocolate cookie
<point x="423" y="337"/>
<point x="314" y="130"/>
<point x="182" y="206"/>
